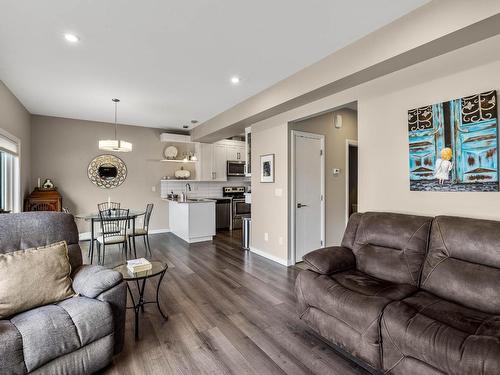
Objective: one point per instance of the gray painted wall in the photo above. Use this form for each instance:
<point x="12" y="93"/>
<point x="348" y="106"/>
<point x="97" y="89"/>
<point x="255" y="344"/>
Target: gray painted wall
<point x="62" y="149"/>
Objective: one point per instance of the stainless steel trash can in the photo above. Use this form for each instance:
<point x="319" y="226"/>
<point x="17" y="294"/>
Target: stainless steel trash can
<point x="247" y="223"/>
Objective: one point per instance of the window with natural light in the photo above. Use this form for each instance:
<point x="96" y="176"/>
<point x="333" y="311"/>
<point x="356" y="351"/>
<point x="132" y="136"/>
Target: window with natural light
<point x="9" y="174"/>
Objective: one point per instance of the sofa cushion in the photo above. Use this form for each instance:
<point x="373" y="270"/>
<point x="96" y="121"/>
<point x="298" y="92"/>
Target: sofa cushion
<point x="463" y="262"/>
<point x="112" y="239"/>
<point x="355" y="300"/>
<point x="51" y="331"/>
<point x="92" y="318"/>
<point x="11" y="349"/>
<point x="330" y="260"/>
<point x="34" y="277"/>
<point x="26" y="230"/>
<point x="349" y="238"/>
<point x="391" y="246"/>
<point x="90" y="280"/>
<point x="449" y="337"/>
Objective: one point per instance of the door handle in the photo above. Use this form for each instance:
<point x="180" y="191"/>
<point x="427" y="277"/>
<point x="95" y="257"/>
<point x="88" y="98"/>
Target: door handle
<point x="300" y="205"/>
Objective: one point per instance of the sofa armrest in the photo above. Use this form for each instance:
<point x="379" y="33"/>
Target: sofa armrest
<point x="117" y="299"/>
<point x="330" y="260"/>
<point x="90" y="281"/>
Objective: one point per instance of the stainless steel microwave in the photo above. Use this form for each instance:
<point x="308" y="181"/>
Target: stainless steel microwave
<point x="235" y="168"/>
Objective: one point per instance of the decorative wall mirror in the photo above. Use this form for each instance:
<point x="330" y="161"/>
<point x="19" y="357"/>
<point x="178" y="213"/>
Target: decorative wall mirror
<point x="107" y="171"/>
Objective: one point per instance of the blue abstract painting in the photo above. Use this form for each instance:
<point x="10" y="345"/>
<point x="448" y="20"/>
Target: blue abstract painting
<point x="454" y="145"/>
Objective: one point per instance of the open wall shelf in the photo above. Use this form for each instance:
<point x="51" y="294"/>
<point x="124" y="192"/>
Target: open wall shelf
<point x="178" y="161"/>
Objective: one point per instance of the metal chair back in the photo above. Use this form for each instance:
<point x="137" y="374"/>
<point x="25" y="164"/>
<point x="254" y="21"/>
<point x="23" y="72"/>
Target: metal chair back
<point x="147" y="216"/>
<point x="114" y="222"/>
<point x="108" y="206"/>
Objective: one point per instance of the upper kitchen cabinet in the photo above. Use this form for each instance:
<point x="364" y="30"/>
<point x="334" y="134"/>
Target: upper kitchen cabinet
<point x="206" y="161"/>
<point x="219" y="162"/>
<point x="213" y="158"/>
<point x="212" y="163"/>
<point x="205" y="164"/>
<point x="236" y="151"/>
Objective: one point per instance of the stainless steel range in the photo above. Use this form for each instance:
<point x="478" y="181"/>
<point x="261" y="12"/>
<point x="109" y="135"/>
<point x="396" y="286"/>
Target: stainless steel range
<point x="240" y="209"/>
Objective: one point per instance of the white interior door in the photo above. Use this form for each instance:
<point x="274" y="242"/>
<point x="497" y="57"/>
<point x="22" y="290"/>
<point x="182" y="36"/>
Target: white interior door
<point x="219" y="164"/>
<point x="309" y="193"/>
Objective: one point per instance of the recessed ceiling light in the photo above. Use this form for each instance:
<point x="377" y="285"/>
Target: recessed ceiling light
<point x="235" y="80"/>
<point x="72" y="38"/>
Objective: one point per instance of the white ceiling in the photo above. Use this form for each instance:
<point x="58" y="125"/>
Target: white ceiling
<point x="169" y="61"/>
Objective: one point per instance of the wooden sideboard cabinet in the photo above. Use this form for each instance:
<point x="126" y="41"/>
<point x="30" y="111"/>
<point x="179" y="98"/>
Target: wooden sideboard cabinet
<point x="43" y="200"/>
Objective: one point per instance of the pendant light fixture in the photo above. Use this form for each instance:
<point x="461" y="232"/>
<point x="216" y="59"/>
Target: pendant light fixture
<point x="116" y="144"/>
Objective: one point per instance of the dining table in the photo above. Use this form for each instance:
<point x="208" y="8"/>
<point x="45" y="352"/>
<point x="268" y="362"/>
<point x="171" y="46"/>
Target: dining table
<point x="94" y="217"/>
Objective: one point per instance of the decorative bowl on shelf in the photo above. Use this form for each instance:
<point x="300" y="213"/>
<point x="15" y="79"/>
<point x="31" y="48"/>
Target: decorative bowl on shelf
<point x="170" y="152"/>
<point x="182" y="174"/>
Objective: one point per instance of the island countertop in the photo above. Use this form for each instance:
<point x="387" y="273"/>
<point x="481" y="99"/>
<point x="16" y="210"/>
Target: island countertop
<point x="190" y="200"/>
<point x="192" y="220"/>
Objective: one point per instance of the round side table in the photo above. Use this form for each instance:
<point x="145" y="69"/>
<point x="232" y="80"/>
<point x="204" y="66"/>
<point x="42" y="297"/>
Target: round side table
<point x="158" y="269"/>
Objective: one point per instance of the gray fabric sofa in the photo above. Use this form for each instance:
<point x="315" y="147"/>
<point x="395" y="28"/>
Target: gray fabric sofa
<point x="79" y="335"/>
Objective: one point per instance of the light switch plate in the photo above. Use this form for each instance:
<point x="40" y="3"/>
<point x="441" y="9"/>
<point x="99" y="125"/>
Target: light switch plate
<point x="278" y="192"/>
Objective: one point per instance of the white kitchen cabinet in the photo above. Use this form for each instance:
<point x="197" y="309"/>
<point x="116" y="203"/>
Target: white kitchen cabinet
<point x="213" y="157"/>
<point x="219" y="162"/>
<point x="206" y="172"/>
<point x="232" y="153"/>
<point x="236" y="151"/>
<point x="212" y="162"/>
<point x="192" y="221"/>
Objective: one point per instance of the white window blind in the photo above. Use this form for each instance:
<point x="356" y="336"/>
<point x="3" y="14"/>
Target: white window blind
<point x="9" y="174"/>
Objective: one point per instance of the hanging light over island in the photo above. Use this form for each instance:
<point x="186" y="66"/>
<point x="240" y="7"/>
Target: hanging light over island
<point x="116" y="145"/>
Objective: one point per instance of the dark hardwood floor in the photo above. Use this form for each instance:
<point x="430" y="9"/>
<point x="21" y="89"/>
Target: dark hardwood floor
<point x="230" y="312"/>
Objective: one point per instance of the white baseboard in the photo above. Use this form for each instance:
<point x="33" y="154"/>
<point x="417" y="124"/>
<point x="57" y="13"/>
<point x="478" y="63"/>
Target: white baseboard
<point x="158" y="231"/>
<point x="86" y="235"/>
<point x="283" y="262"/>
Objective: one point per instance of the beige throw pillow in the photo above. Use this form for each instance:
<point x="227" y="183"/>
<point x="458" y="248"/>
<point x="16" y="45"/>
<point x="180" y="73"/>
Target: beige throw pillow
<point x="34" y="277"/>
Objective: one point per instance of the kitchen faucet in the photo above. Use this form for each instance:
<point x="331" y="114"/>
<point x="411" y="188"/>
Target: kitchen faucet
<point x="184" y="193"/>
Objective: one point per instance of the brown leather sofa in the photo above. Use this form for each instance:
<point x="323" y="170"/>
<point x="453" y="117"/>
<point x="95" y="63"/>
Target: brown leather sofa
<point x="409" y="295"/>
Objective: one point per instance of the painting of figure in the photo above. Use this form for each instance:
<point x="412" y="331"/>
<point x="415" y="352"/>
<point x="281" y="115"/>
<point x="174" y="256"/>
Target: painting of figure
<point x="444" y="165"/>
<point x="454" y="145"/>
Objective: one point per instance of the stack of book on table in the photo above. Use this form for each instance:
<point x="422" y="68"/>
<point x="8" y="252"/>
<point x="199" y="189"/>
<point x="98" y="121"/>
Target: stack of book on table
<point x="138" y="265"/>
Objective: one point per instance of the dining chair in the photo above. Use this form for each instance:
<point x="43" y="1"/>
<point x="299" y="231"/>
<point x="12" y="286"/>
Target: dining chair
<point x="108" y="206"/>
<point x="104" y="207"/>
<point x="114" y="225"/>
<point x="144" y="231"/>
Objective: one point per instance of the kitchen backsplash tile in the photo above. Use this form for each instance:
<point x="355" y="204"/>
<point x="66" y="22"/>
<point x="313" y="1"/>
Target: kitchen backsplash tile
<point x="199" y="189"/>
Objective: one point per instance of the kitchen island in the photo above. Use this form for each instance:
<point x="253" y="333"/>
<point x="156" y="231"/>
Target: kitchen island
<point x="192" y="220"/>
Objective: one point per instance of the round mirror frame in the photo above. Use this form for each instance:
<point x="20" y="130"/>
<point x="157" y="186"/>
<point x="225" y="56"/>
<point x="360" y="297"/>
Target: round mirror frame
<point x="102" y="160"/>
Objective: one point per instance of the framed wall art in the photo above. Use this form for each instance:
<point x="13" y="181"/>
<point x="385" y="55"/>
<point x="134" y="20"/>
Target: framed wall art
<point x="107" y="171"/>
<point x="267" y="168"/>
<point x="454" y="145"/>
